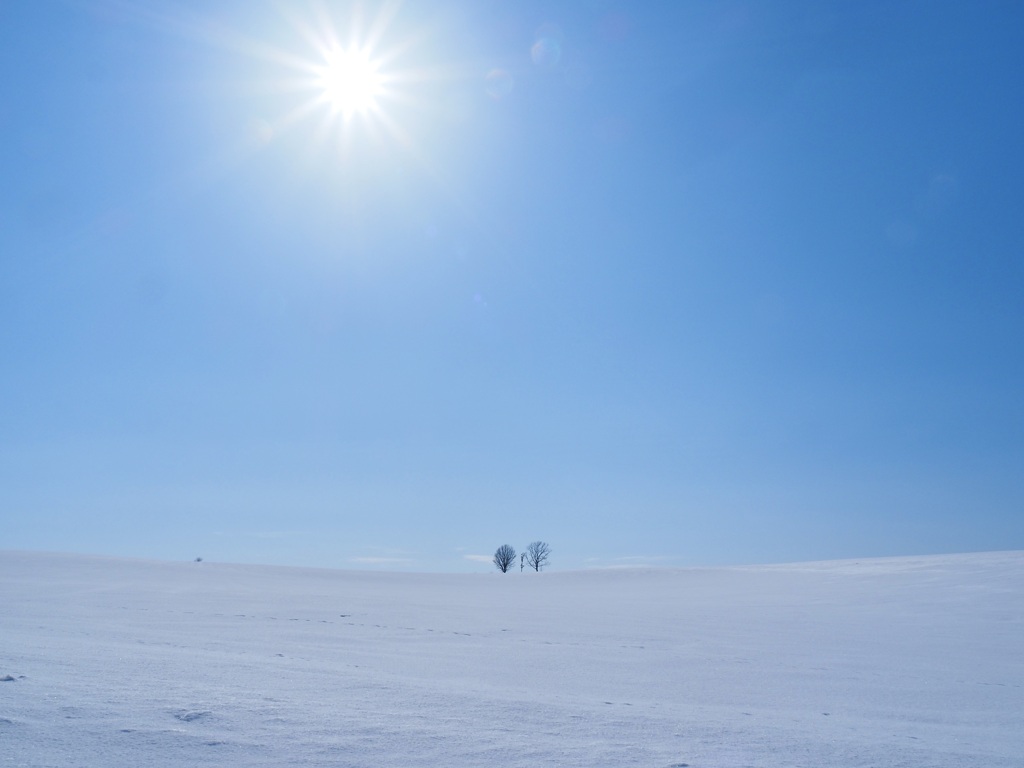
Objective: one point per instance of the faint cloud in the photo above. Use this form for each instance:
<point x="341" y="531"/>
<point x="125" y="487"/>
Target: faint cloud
<point x="383" y="556"/>
<point x="627" y="561"/>
<point x="258" y="534"/>
<point x="381" y="560"/>
<point x="901" y="233"/>
<point x="614" y="27"/>
<point x="273" y="534"/>
<point x="939" y="195"/>
<point x="612" y="130"/>
<point x="478" y="558"/>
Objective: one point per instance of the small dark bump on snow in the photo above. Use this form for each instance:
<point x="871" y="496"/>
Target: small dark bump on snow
<point x="7" y="679"/>
<point x="187" y="716"/>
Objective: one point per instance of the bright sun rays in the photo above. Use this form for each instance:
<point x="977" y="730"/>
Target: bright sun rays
<point x="347" y="76"/>
<point x="352" y="76"/>
<point x="350" y="82"/>
<point x="338" y="82"/>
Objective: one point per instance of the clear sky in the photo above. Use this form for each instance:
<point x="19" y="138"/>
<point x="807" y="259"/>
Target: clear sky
<point x="388" y="285"/>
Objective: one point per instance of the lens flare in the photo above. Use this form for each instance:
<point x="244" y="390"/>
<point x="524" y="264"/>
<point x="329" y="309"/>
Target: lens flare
<point x="499" y="84"/>
<point x="546" y="53"/>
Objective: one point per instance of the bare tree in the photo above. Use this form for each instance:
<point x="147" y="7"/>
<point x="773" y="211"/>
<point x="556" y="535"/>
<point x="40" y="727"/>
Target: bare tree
<point x="504" y="557"/>
<point x="537" y="555"/>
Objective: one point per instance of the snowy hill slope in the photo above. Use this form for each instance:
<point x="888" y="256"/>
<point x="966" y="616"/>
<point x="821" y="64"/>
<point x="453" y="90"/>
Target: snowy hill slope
<point x="891" y="662"/>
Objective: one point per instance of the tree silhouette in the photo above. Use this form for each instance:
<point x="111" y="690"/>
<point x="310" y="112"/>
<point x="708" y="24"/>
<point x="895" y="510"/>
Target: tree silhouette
<point x="537" y="555"/>
<point x="504" y="557"/>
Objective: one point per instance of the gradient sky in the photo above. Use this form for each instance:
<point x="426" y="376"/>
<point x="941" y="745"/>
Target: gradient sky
<point x="659" y="283"/>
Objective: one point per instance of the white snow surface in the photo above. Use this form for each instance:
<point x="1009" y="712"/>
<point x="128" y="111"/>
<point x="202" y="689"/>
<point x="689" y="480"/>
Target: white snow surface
<point x="914" y="661"/>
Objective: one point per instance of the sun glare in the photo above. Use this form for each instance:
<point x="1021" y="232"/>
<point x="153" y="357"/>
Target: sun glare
<point x="351" y="82"/>
<point x="352" y="78"/>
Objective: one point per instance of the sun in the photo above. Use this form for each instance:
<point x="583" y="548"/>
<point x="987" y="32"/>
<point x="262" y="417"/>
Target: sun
<point x="350" y="81"/>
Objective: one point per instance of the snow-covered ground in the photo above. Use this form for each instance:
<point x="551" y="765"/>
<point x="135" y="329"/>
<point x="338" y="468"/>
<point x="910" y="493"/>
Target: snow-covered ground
<point x="891" y="662"/>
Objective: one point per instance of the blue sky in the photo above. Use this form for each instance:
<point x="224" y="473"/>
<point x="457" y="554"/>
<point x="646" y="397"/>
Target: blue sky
<point x="659" y="283"/>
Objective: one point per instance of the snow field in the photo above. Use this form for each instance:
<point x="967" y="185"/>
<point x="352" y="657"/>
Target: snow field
<point x="889" y="662"/>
